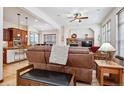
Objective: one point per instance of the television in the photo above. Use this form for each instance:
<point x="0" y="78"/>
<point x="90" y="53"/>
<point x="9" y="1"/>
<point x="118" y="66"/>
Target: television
<point x="87" y="43"/>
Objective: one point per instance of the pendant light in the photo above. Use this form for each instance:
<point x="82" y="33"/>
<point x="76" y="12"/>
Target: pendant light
<point x="18" y="34"/>
<point x="26" y="18"/>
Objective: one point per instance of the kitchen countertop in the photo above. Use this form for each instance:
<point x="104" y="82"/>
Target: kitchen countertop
<point x="12" y="48"/>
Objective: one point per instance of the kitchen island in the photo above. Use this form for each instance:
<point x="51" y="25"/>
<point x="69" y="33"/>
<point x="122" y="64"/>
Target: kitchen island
<point x="13" y="54"/>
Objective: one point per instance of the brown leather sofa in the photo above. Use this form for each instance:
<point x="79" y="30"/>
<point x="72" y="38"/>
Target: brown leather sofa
<point x="79" y="60"/>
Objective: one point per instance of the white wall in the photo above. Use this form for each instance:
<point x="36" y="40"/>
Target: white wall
<point x="97" y="30"/>
<point x="1" y="43"/>
<point x="114" y="26"/>
<point x="7" y="24"/>
<point x="81" y="32"/>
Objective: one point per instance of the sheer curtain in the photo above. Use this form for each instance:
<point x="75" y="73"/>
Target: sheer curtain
<point x="121" y="32"/>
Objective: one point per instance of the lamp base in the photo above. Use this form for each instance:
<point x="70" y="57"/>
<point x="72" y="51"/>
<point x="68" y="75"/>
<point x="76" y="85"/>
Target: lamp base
<point x="108" y="62"/>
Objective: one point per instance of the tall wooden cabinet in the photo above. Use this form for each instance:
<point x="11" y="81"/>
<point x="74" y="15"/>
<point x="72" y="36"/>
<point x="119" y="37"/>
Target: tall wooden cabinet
<point x="11" y="33"/>
<point x="6" y="35"/>
<point x="24" y="37"/>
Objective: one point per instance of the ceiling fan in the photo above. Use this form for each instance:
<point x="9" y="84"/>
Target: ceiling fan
<point x="77" y="17"/>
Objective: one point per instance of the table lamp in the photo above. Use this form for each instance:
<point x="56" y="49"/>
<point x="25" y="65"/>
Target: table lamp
<point x="107" y="48"/>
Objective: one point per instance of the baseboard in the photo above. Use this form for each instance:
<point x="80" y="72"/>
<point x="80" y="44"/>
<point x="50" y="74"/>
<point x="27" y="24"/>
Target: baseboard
<point x="1" y="81"/>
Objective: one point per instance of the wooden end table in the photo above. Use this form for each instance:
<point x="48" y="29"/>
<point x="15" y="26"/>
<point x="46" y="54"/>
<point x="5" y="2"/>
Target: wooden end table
<point x="109" y="73"/>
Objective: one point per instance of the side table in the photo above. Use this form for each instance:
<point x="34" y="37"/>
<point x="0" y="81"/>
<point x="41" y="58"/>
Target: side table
<point x="109" y="73"/>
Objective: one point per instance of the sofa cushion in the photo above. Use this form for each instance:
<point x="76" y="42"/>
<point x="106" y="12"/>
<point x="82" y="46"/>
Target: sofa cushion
<point x="36" y="56"/>
<point x="82" y="74"/>
<point x="79" y="50"/>
<point x="36" y="48"/>
<point x="80" y="60"/>
<point x="47" y="49"/>
<point x="39" y="65"/>
<point x="56" y="67"/>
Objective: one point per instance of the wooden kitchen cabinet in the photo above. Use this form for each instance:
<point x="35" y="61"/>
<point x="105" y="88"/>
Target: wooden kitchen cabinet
<point x="6" y="35"/>
<point x="10" y="56"/>
<point x="4" y="55"/>
<point x="24" y="38"/>
<point x="14" y="33"/>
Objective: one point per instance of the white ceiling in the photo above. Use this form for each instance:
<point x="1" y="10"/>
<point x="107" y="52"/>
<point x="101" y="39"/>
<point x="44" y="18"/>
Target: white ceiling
<point x="59" y="14"/>
<point x="10" y="15"/>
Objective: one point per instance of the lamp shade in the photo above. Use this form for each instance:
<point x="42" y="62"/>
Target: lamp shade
<point x="106" y="47"/>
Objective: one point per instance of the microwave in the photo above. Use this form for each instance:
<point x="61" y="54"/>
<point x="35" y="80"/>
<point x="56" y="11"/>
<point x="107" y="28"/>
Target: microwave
<point x="17" y="41"/>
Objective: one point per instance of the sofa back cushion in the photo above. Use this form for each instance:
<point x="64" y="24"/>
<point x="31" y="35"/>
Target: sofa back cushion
<point x="78" y="50"/>
<point x="47" y="56"/>
<point x="47" y="53"/>
<point x="80" y="60"/>
<point x="77" y="57"/>
<point x="36" y="48"/>
<point x="36" y="56"/>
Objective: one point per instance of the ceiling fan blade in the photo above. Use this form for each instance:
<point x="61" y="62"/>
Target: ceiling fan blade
<point x="79" y="21"/>
<point x="76" y="15"/>
<point x="83" y="17"/>
<point x="72" y="20"/>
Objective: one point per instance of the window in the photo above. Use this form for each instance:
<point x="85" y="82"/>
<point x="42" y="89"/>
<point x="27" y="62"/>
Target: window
<point x="121" y="33"/>
<point x="36" y="38"/>
<point x="106" y="31"/>
<point x="33" y="38"/>
<point x="50" y="38"/>
<point x="103" y="34"/>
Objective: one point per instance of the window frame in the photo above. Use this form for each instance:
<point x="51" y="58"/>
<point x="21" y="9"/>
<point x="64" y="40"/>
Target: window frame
<point x="34" y="38"/>
<point x="47" y="35"/>
<point x="105" y="29"/>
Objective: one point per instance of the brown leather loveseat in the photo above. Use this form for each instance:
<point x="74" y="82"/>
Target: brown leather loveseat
<point x="79" y="60"/>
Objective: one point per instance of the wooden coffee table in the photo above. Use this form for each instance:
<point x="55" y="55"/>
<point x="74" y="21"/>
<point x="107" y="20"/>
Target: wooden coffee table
<point x="109" y="73"/>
